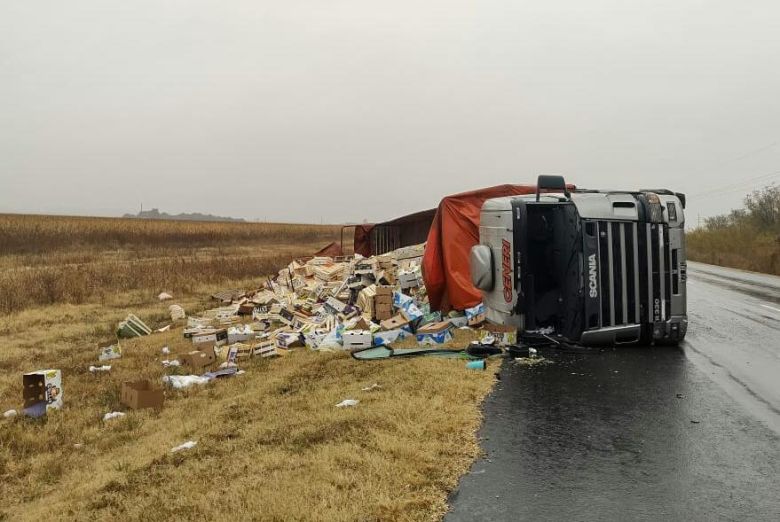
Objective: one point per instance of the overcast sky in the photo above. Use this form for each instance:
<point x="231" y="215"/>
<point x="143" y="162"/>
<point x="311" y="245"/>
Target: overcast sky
<point x="338" y="111"/>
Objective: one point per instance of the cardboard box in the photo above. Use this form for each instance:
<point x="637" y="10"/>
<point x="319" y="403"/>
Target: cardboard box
<point x="383" y="300"/>
<point x="408" y="280"/>
<point x="336" y="305"/>
<point x="384" y="307"/>
<point x="389" y="337"/>
<point x="199" y="360"/>
<point x="357" y="339"/>
<point x="504" y="335"/>
<point x="237" y="351"/>
<point x="395" y="322"/>
<point x="286" y="316"/>
<point x="384" y="291"/>
<point x="435" y="327"/>
<point x="383" y="312"/>
<point x="42" y="392"/>
<point x="435" y="333"/>
<point x="140" y="394"/>
<point x="265" y="349"/>
<point x="288" y="340"/>
<point x="476" y="315"/>
<point x="236" y="334"/>
<point x="210" y="338"/>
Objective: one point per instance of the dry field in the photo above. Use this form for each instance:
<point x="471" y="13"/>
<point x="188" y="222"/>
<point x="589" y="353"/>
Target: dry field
<point x="52" y="259"/>
<point x="271" y="443"/>
<point x="740" y="247"/>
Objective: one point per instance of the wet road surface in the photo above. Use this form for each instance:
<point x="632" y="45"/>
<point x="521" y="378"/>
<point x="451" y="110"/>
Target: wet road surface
<point x="690" y="433"/>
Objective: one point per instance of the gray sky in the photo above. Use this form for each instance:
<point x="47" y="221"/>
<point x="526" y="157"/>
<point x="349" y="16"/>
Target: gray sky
<point x="344" y="110"/>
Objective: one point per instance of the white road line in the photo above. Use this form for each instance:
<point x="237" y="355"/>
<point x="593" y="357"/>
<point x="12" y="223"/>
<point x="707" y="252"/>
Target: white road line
<point x="771" y="308"/>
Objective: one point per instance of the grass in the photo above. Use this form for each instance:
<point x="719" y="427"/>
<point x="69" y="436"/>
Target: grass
<point x="271" y="443"/>
<point x="31" y="234"/>
<point x="742" y="247"/>
<point x="53" y="259"/>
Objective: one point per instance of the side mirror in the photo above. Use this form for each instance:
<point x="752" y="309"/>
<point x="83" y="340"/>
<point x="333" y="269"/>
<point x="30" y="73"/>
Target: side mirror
<point x="481" y="265"/>
<point x="551" y="183"/>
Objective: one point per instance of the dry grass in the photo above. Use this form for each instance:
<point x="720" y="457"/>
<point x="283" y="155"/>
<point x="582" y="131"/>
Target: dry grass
<point x="271" y="444"/>
<point x="29" y="234"/>
<point x="51" y="259"/>
<point x="741" y="247"/>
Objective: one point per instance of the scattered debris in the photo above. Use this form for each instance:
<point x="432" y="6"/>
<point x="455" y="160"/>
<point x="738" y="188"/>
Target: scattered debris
<point x="177" y="312"/>
<point x="113" y="415"/>
<point x="531" y="361"/>
<point x="476" y="365"/>
<point x="110" y="352"/>
<point x="323" y="303"/>
<point x="502" y="334"/>
<point x="222" y="372"/>
<point x="140" y="394"/>
<point x="163" y="329"/>
<point x="42" y="392"/>
<point x="183" y="381"/>
<point x="132" y="327"/>
<point x="187" y="445"/>
<point x="10" y="414"/>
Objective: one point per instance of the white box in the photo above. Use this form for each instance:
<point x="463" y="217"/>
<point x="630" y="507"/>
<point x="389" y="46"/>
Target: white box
<point x="408" y="280"/>
<point x="356" y="339"/>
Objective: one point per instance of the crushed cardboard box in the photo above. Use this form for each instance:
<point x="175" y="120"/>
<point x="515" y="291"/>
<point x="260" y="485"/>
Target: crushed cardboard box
<point x="140" y="394"/>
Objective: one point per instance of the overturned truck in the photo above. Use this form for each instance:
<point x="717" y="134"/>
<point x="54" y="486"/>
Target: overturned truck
<point x="595" y="266"/>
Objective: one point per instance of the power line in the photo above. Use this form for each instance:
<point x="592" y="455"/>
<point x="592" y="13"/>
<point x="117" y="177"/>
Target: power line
<point x="740" y="185"/>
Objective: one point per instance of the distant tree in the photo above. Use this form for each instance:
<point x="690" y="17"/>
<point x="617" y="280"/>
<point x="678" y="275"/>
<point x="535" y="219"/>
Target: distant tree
<point x="717" y="222"/>
<point x="763" y="207"/>
<point x="733" y="218"/>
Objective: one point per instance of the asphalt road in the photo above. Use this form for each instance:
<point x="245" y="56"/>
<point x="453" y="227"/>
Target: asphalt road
<point x="690" y="433"/>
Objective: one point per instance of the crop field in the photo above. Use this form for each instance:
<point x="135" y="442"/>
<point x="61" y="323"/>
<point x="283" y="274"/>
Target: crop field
<point x="271" y="445"/>
<point x="54" y="259"/>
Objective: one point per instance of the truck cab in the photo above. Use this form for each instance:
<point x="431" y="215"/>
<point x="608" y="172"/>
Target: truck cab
<point x="598" y="267"/>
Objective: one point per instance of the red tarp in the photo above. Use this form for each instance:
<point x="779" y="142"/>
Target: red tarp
<point x="454" y="231"/>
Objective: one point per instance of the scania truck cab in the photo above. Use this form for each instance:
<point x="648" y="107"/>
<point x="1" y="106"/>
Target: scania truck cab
<point x="597" y="267"/>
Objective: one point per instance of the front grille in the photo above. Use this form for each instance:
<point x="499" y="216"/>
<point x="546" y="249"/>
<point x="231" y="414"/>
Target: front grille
<point x="634" y="280"/>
